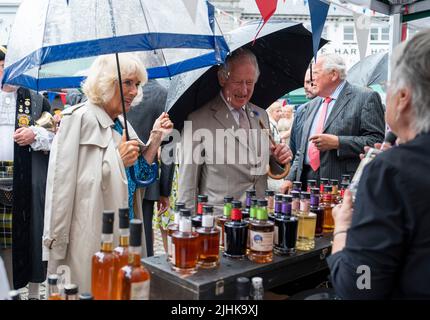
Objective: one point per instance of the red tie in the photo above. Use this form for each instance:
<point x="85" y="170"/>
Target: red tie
<point x="313" y="152"/>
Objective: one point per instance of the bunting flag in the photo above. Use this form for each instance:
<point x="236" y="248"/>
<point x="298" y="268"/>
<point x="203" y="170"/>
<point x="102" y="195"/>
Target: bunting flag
<point x="63" y="98"/>
<point x="318" y="10"/>
<point x="191" y="6"/>
<point x="267" y="8"/>
<point x="51" y="96"/>
<point x="362" y="27"/>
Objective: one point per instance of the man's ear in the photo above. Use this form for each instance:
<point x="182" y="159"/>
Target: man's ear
<point x="221" y="78"/>
<point x="405" y="99"/>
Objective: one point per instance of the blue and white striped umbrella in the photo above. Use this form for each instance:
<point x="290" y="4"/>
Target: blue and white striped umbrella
<point x="53" y="42"/>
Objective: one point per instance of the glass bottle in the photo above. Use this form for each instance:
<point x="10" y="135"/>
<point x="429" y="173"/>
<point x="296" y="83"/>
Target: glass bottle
<point x="346" y="178"/>
<point x="197" y="219"/>
<point x="285" y="229"/>
<point x="315" y="208"/>
<point x="270" y="201"/>
<point x="243" y="288"/>
<point x="185" y="245"/>
<point x="235" y="233"/>
<point x="311" y="184"/>
<point x="343" y="187"/>
<point x="305" y="202"/>
<point x="295" y="204"/>
<point x="306" y="231"/>
<point x="220" y="221"/>
<point x="334" y="188"/>
<point x="53" y="290"/>
<point x="297" y="186"/>
<point x="248" y="202"/>
<point x="253" y="209"/>
<point x="327" y="205"/>
<point x="261" y="236"/>
<point x="172" y="227"/>
<point x="323" y="182"/>
<point x="257" y="290"/>
<point x="71" y="290"/>
<point x="208" y="240"/>
<point x="121" y="252"/>
<point x="278" y="207"/>
<point x="133" y="279"/>
<point x="103" y="262"/>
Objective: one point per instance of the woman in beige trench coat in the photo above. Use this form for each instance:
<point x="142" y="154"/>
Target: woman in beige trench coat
<point x="87" y="164"/>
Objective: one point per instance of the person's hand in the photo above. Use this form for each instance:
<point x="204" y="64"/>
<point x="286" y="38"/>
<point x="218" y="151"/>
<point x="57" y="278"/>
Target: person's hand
<point x="378" y="146"/>
<point x="342" y="213"/>
<point x="128" y="150"/>
<point x="163" y="125"/>
<point x="163" y="204"/>
<point x="24" y="136"/>
<point x="325" y="142"/>
<point x="286" y="186"/>
<point x="282" y="153"/>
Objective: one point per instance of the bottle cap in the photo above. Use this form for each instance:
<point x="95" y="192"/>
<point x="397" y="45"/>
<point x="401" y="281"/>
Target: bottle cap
<point x="305" y="195"/>
<point x="346" y="177"/>
<point x="312" y="182"/>
<point x="71" y="288"/>
<point x="185" y="212"/>
<point x="251" y="193"/>
<point x="53" y="279"/>
<point x="179" y="206"/>
<point x="295" y="194"/>
<point x="257" y="281"/>
<point x="124" y="218"/>
<point x="243" y="286"/>
<point x="279" y="197"/>
<point x="108" y="217"/>
<point x="236" y="204"/>
<point x="254" y="201"/>
<point x="86" y="296"/>
<point x="297" y="184"/>
<point x="270" y="193"/>
<point x="228" y="199"/>
<point x="262" y="202"/>
<point x="287" y="198"/>
<point x="135" y="233"/>
<point x="202" y="198"/>
<point x="328" y="188"/>
<point x="334" y="182"/>
<point x="315" y="191"/>
<point x="208" y="209"/>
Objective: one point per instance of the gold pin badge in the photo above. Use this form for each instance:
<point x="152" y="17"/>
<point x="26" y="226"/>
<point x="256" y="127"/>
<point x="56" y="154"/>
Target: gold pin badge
<point x="23" y="120"/>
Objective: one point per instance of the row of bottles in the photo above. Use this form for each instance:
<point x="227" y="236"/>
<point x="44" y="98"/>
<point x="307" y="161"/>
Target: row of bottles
<point x="69" y="292"/>
<point x="117" y="274"/>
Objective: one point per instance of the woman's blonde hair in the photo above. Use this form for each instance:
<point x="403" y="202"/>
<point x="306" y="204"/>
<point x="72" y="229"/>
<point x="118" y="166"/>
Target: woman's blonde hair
<point x="99" y="87"/>
<point x="275" y="105"/>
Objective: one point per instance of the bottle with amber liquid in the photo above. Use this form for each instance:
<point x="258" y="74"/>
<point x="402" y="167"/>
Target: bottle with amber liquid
<point x="343" y="187"/>
<point x="307" y="223"/>
<point x="173" y="226"/>
<point x="197" y="219"/>
<point x="315" y="208"/>
<point x="285" y="229"/>
<point x="133" y="280"/>
<point x="121" y="252"/>
<point x="208" y="240"/>
<point x="220" y="221"/>
<point x="261" y="232"/>
<point x="236" y="234"/>
<point x="185" y="246"/>
<point x="53" y="290"/>
<point x="327" y="205"/>
<point x="102" y="272"/>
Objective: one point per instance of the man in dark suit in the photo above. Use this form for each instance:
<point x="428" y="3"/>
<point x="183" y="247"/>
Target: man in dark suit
<point x="338" y="125"/>
<point x="297" y="126"/>
<point x="142" y="118"/>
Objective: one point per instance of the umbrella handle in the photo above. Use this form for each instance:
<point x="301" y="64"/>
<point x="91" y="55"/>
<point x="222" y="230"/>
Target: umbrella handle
<point x="144" y="183"/>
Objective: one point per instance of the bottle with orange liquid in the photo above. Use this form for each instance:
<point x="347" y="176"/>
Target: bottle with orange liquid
<point x="208" y="240"/>
<point x="53" y="290"/>
<point x="102" y="270"/>
<point x="121" y="252"/>
<point x="133" y="280"/>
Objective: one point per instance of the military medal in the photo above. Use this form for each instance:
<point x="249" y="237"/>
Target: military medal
<point x="23" y="120"/>
<point x="27" y="102"/>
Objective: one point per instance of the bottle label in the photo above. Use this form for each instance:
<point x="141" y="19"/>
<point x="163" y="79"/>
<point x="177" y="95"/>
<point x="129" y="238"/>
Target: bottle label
<point x="261" y="241"/>
<point x="275" y="236"/>
<point x="139" y="290"/>
<point x="173" y="253"/>
<point x="220" y="233"/>
<point x="304" y="206"/>
<point x="295" y="205"/>
<point x="169" y="245"/>
<point x="207" y="221"/>
<point x="185" y="225"/>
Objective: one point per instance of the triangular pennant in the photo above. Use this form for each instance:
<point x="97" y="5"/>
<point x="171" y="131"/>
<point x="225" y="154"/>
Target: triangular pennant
<point x="63" y="98"/>
<point x="51" y="96"/>
<point x="191" y="6"/>
<point x="267" y="8"/>
<point x="362" y="27"/>
<point x="318" y="10"/>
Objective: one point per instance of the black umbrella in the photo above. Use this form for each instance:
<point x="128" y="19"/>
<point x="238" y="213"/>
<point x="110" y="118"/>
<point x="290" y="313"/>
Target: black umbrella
<point x="283" y="50"/>
<point x="371" y="70"/>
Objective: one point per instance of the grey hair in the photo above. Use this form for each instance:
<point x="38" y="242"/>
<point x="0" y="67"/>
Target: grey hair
<point x="239" y="54"/>
<point x="410" y="65"/>
<point x="334" y="62"/>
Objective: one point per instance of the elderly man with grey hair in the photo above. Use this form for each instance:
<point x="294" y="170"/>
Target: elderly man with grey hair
<point x="339" y="123"/>
<point x="381" y="249"/>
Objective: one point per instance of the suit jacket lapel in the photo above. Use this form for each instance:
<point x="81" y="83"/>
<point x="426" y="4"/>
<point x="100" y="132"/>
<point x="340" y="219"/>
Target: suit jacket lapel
<point x="341" y="102"/>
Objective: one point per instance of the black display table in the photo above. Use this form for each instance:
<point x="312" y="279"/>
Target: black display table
<point x="220" y="283"/>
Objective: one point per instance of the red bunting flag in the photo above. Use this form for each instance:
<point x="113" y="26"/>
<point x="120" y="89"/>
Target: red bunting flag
<point x="63" y="98"/>
<point x="267" y="8"/>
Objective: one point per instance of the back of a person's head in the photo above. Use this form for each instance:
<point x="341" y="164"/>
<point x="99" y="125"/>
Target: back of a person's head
<point x="3" y="50"/>
<point x="410" y="67"/>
